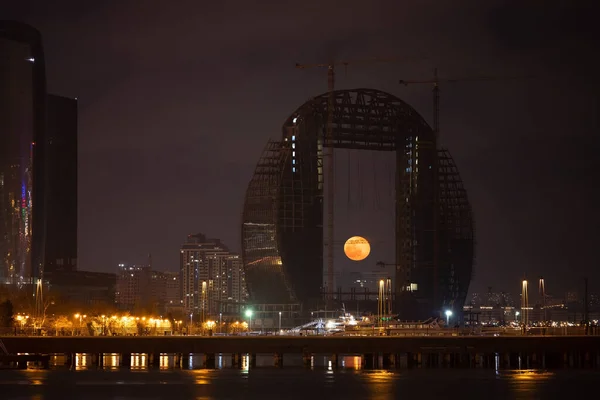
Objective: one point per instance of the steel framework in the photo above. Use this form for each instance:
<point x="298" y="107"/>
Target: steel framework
<point x="265" y="276"/>
<point x="456" y="234"/>
<point x="282" y="229"/>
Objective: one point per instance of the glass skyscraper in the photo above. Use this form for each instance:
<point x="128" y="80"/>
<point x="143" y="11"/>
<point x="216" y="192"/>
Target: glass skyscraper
<point x="22" y="143"/>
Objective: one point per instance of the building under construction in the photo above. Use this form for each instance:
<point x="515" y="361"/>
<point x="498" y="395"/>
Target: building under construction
<point x="282" y="227"/>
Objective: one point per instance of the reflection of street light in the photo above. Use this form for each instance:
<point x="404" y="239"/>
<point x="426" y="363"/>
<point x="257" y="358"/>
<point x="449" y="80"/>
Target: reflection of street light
<point x="448" y="315"/>
<point x="249" y="315"/>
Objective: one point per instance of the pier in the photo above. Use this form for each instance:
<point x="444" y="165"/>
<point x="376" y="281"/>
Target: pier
<point x="376" y="352"/>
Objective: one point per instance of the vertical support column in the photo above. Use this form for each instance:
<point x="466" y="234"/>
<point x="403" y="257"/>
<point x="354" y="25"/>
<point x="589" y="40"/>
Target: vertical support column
<point x="330" y="184"/>
<point x="334" y="361"/>
<point x="236" y="360"/>
<point x="70" y="360"/>
<point x="307" y="360"/>
<point x="100" y="360"/>
<point x="252" y="360"/>
<point x="278" y="360"/>
<point x="209" y="360"/>
<point x="126" y="360"/>
<point x="368" y="361"/>
<point x="389" y="360"/>
<point x="155" y="360"/>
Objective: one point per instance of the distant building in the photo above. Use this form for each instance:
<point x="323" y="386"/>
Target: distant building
<point x="212" y="280"/>
<point x="134" y="287"/>
<point x="61" y="220"/>
<point x="173" y="289"/>
<point x="83" y="288"/>
<point x="368" y="280"/>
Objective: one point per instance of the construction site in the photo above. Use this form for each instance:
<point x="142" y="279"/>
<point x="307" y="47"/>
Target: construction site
<point x="288" y="224"/>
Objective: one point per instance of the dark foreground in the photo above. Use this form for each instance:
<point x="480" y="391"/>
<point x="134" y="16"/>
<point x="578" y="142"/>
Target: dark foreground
<point x="293" y="383"/>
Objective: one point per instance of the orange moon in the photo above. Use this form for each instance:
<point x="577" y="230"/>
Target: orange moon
<point x="357" y="248"/>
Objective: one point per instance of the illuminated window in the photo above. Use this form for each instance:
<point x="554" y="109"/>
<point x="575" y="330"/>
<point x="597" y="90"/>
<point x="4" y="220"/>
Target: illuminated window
<point x="293" y="169"/>
<point x="293" y="137"/>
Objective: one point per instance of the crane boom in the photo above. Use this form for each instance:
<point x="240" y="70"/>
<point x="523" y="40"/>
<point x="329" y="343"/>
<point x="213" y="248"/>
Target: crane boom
<point x="464" y="79"/>
<point x="333" y="64"/>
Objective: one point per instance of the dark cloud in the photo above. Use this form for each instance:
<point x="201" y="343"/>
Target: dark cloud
<point x="178" y="99"/>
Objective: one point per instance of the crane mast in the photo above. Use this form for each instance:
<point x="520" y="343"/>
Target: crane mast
<point x="328" y="144"/>
<point x="436" y="129"/>
<point x="330" y="171"/>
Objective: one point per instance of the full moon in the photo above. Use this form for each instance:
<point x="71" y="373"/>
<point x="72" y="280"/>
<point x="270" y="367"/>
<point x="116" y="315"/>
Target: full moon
<point x="357" y="248"/>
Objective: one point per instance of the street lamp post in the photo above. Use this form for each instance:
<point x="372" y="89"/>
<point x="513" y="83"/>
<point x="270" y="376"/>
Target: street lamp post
<point x="249" y="315"/>
<point x="280" y="322"/>
<point x="448" y="315"/>
<point x="517" y="316"/>
<point x="220" y="321"/>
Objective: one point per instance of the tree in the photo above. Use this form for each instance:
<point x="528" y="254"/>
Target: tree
<point x="6" y="314"/>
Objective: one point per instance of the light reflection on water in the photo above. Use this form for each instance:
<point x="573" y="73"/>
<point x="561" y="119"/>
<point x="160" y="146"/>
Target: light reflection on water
<point x="141" y="361"/>
<point x="290" y="383"/>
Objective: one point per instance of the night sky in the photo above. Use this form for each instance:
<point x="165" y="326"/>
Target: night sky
<point x="177" y="100"/>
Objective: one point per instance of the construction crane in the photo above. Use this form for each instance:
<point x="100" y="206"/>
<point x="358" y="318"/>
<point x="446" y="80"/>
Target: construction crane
<point x="330" y="165"/>
<point x="436" y="130"/>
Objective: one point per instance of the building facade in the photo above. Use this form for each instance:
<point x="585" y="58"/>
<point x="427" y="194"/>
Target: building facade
<point x="84" y="289"/>
<point x="211" y="277"/>
<point x="22" y="153"/>
<point x="283" y="216"/>
<point x="173" y="289"/>
<point x="134" y="287"/>
<point x="61" y="221"/>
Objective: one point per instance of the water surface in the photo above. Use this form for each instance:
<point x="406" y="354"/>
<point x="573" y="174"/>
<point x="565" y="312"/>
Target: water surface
<point x="293" y="383"/>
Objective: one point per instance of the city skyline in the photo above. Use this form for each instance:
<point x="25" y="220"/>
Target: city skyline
<point x="132" y="142"/>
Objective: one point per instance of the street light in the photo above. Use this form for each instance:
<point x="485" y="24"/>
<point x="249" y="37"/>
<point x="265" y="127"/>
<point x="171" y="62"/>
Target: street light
<point x="249" y="315"/>
<point x="220" y="321"/>
<point x="448" y="315"/>
<point x="517" y="316"/>
<point x="280" y="322"/>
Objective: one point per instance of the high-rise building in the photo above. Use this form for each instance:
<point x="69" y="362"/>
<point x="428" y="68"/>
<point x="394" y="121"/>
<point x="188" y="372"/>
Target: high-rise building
<point x="134" y="287"/>
<point x="22" y="148"/>
<point x="158" y="292"/>
<point x="61" y="228"/>
<point x="173" y="291"/>
<point x="285" y="218"/>
<point x="211" y="276"/>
